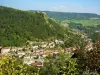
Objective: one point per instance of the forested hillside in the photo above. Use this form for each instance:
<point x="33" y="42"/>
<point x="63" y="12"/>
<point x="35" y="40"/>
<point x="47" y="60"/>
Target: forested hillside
<point x="33" y="44"/>
<point x="16" y="26"/>
<point x="70" y="16"/>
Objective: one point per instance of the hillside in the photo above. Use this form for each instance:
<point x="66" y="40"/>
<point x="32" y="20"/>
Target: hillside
<point x="70" y="16"/>
<point x="91" y="22"/>
<point x="16" y="26"/>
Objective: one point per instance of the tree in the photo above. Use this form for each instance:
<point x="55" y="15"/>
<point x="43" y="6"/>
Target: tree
<point x="59" y="64"/>
<point x="14" y="66"/>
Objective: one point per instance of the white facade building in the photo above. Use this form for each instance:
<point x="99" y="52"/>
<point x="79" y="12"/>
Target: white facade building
<point x="5" y="50"/>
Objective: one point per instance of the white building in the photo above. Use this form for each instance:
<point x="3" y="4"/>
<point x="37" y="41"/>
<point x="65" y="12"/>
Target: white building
<point x="21" y="53"/>
<point x="5" y="50"/>
<point x="35" y="47"/>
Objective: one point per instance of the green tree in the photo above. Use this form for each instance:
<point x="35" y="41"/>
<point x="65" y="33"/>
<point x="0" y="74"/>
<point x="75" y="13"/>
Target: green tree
<point x="59" y="65"/>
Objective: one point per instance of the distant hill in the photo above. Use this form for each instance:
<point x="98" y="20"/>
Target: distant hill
<point x="69" y="15"/>
<point x="16" y="27"/>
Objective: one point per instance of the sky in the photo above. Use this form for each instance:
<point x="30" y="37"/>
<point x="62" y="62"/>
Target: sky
<point x="80" y="6"/>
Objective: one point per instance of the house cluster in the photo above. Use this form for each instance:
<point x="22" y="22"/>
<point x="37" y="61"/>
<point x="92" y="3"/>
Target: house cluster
<point x="89" y="46"/>
<point x="35" y="54"/>
<point x="35" y="58"/>
<point x="32" y="54"/>
<point x="48" y="44"/>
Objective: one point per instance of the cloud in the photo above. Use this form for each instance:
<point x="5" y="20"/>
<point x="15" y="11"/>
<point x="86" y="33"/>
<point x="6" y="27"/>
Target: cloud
<point x="74" y="8"/>
<point x="59" y="8"/>
<point x="67" y="8"/>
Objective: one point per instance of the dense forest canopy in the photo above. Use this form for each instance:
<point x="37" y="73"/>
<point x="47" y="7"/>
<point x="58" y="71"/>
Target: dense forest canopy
<point x="16" y="26"/>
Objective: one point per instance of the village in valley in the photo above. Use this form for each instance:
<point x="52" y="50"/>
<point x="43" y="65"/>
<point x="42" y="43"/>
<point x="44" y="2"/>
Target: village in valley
<point x="34" y="53"/>
<point x="49" y="37"/>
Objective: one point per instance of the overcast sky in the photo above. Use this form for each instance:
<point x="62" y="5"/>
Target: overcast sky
<point x="83" y="6"/>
